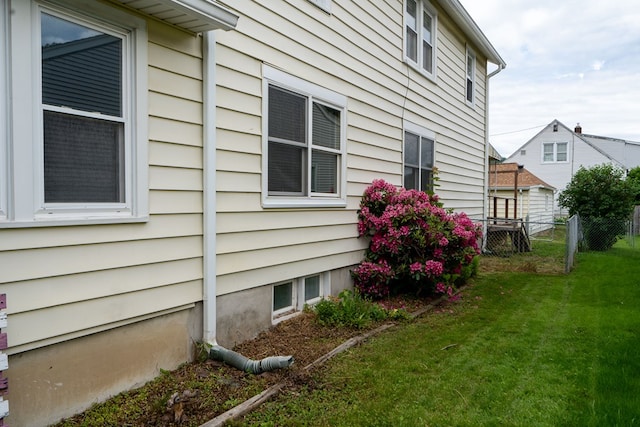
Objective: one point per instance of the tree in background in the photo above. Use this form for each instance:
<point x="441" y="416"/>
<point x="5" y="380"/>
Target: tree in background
<point x="604" y="199"/>
<point x="634" y="177"/>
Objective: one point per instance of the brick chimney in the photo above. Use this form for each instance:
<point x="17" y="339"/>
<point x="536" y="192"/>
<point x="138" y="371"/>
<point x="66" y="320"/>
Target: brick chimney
<point x="578" y="128"/>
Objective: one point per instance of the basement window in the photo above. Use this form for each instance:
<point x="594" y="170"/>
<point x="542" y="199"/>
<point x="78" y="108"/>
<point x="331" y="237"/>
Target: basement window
<point x="289" y="298"/>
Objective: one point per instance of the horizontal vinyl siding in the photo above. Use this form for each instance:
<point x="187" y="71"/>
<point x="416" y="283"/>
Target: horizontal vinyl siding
<point x="66" y="282"/>
<point x="357" y="52"/>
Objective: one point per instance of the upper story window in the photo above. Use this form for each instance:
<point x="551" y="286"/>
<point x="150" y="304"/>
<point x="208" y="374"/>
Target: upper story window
<point x="78" y="134"/>
<point x="419" y="153"/>
<point x="554" y="152"/>
<point x="471" y="77"/>
<point x="304" y="143"/>
<point x="420" y="21"/>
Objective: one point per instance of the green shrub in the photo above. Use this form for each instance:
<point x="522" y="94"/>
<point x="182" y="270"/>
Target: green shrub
<point x="353" y="310"/>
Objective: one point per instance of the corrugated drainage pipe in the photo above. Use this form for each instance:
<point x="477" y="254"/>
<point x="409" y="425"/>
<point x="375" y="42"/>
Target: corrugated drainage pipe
<point x="248" y="365"/>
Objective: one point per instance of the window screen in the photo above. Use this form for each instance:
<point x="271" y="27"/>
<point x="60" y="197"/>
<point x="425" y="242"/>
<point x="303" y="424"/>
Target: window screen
<point x="82" y="158"/>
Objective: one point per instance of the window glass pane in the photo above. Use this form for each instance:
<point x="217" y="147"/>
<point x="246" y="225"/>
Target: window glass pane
<point x="427" y="24"/>
<point x="286" y="168"/>
<point x="425" y="180"/>
<point x="548" y="152"/>
<point x="411" y="143"/>
<point x="469" y="90"/>
<point x="412" y="14"/>
<point x="427" y="58"/>
<point x="324" y="172"/>
<point x="326" y="126"/>
<point x="282" y="296"/>
<point x="561" y="155"/>
<point x="287" y="115"/>
<point x="411" y="178"/>
<point x="82" y="159"/>
<point x="412" y="30"/>
<point x="412" y="45"/>
<point x="81" y="67"/>
<point x="311" y="288"/>
<point x="426" y="153"/>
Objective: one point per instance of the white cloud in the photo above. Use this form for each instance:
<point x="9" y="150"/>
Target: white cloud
<point x="575" y="61"/>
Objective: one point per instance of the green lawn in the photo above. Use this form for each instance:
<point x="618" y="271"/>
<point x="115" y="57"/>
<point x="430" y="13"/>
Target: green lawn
<point x="519" y="349"/>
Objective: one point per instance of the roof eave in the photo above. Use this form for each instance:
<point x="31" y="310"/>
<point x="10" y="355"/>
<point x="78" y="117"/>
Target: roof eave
<point x="461" y="17"/>
<point x="195" y="16"/>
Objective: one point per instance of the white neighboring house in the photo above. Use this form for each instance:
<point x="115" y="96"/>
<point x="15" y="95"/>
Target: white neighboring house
<point x="557" y="152"/>
<point x="534" y="196"/>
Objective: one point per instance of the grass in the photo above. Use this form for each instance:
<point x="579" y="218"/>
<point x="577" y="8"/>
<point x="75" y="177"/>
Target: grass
<point x="517" y="350"/>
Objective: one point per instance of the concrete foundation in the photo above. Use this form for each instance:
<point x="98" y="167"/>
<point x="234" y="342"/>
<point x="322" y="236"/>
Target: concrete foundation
<point x="242" y="315"/>
<point x="57" y="381"/>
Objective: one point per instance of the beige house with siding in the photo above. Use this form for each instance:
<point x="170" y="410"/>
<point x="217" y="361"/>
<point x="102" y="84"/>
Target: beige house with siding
<point x="230" y="146"/>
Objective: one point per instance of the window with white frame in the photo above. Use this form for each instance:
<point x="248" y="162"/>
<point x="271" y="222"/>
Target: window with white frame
<point x="290" y="297"/>
<point x="553" y="152"/>
<point x="420" y="22"/>
<point x="471" y="76"/>
<point x="81" y="155"/>
<point x="419" y="153"/>
<point x="304" y="143"/>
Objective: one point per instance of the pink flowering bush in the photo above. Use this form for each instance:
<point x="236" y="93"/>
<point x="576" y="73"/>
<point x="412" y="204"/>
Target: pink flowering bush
<point x="416" y="245"/>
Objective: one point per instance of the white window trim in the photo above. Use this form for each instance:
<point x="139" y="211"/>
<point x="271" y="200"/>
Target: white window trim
<point x="472" y="77"/>
<point x="422" y="132"/>
<point x="422" y="4"/>
<point x="555" y="153"/>
<point x="25" y="186"/>
<point x="317" y="93"/>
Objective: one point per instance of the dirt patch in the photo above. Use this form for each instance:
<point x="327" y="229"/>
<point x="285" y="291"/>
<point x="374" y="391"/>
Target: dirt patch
<point x="198" y="392"/>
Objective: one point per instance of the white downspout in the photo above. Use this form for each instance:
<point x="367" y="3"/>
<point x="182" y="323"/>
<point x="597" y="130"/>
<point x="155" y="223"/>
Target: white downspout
<point x="487" y="208"/>
<point x="209" y="190"/>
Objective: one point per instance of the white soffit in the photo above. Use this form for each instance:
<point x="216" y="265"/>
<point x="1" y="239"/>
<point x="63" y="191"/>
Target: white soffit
<point x="192" y="15"/>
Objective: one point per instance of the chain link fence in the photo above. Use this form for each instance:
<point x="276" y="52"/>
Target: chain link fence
<point x="525" y="245"/>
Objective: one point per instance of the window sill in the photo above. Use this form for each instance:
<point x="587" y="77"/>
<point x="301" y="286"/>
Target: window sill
<point x="303" y="202"/>
<point x="71" y="221"/>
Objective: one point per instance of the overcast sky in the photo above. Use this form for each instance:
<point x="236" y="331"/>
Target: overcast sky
<point x="571" y="60"/>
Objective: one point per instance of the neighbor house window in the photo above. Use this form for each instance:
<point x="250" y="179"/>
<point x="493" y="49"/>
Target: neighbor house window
<point x="471" y="76"/>
<point x="420" y="22"/>
<point x="554" y="152"/>
<point x="290" y="297"/>
<point x="304" y="143"/>
<point x="419" y="151"/>
<point x="88" y="150"/>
